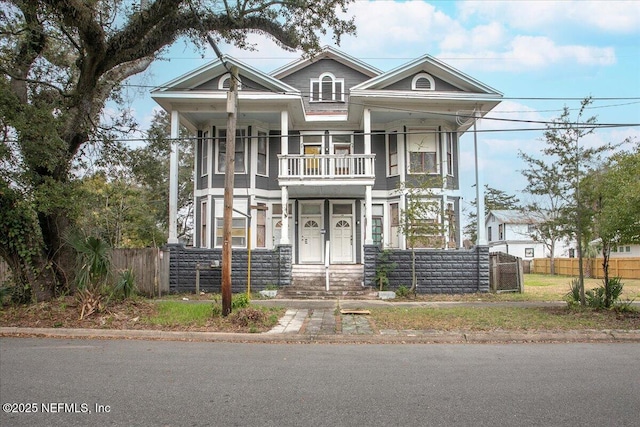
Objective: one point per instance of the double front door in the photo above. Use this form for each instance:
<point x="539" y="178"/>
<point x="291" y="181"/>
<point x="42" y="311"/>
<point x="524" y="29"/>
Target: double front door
<point x="312" y="233"/>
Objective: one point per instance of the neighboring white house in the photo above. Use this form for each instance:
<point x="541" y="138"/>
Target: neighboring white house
<point x="510" y="231"/>
<point x="625" y="251"/>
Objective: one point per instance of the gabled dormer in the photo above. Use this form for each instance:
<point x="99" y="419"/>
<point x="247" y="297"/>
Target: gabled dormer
<point x="326" y="79"/>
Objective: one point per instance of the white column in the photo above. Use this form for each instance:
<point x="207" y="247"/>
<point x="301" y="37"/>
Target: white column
<point x="284" y="150"/>
<point x="173" y="179"/>
<point x="366" y="118"/>
<point x="445" y="220"/>
<point x="444" y="136"/>
<point x="284" y="236"/>
<point x="284" y="133"/>
<point x="480" y="229"/>
<point x="368" y="219"/>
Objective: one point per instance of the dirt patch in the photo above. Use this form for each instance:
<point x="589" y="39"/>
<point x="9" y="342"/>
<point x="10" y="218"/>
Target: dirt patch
<point x="130" y="314"/>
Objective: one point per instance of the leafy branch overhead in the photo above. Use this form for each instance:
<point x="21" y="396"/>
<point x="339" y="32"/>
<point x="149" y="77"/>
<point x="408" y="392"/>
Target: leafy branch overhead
<point x="62" y="61"/>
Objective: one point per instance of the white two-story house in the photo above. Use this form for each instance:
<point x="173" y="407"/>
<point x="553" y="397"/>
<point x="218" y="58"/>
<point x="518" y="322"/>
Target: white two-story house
<point x="511" y="231"/>
<point x="322" y="148"/>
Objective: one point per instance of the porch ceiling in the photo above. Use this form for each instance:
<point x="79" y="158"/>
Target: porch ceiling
<point x="326" y="191"/>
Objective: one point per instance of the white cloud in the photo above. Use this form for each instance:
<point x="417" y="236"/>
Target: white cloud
<point x="524" y="53"/>
<point x="607" y="16"/>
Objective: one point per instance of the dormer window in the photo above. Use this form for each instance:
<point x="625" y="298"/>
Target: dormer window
<point x="225" y="82"/>
<point x="423" y="81"/>
<point x="327" y="88"/>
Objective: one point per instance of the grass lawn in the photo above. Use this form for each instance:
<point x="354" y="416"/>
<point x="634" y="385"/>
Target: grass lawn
<point x="544" y="287"/>
<point x="538" y="287"/>
<point x="502" y="318"/>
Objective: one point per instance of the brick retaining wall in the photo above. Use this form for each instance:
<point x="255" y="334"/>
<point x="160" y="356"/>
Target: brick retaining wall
<point x="268" y="267"/>
<point x="437" y="271"/>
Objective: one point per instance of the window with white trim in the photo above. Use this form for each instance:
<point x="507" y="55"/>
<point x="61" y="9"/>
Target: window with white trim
<point x="423" y="222"/>
<point x="204" y="154"/>
<point x="423" y="152"/>
<point x="203" y="224"/>
<point x="451" y="219"/>
<point x="238" y="232"/>
<point x="327" y="88"/>
<point x="263" y="153"/>
<point x="423" y="81"/>
<point x="225" y="82"/>
<point x="240" y="150"/>
<point x="392" y="154"/>
<point x="450" y="153"/>
<point x="261" y="221"/>
<point x="394" y="225"/>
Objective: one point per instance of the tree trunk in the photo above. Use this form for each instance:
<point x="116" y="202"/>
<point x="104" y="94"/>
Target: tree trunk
<point x="606" y="253"/>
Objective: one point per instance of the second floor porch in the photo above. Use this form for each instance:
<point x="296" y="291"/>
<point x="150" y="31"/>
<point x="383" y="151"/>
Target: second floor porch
<point x="326" y="169"/>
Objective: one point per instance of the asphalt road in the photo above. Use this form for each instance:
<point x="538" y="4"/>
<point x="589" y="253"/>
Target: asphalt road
<point x="151" y="383"/>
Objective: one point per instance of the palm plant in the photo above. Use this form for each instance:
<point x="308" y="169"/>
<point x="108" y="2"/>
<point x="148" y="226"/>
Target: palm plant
<point x="93" y="263"/>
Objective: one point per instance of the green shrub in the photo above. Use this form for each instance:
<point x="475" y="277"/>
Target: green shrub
<point x="605" y="296"/>
<point x="216" y="310"/>
<point x="383" y="268"/>
<point x="126" y="284"/>
<point x="598" y="298"/>
<point x="403" y="291"/>
<point x="239" y="301"/>
<point x="573" y="296"/>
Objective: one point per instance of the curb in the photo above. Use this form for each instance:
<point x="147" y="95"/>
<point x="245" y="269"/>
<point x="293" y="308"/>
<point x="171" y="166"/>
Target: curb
<point x="453" y="337"/>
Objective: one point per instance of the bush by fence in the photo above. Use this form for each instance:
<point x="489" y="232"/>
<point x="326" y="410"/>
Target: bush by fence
<point x="625" y="268"/>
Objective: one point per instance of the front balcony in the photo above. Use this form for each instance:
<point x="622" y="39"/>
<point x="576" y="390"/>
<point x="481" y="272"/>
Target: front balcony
<point x="326" y="169"/>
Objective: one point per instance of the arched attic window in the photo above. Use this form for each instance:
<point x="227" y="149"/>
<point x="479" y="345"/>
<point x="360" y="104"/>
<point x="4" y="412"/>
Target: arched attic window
<point x="327" y="88"/>
<point x="423" y="81"/>
<point x="225" y="82"/>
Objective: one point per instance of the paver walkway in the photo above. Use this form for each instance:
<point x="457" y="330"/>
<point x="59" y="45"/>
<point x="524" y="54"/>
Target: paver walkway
<point x="291" y="322"/>
<point x="356" y="324"/>
<point x="321" y="322"/>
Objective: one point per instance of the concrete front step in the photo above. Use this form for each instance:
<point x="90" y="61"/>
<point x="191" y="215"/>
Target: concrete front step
<point x="319" y="292"/>
<point x="315" y="275"/>
<point x="290" y="294"/>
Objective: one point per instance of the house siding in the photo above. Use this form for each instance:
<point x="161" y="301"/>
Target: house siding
<point x="301" y="80"/>
<point x="440" y="85"/>
<point x="247" y="85"/>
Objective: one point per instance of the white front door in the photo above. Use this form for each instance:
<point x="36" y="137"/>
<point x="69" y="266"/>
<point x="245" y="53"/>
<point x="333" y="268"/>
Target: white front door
<point x="342" y="239"/>
<point x="310" y="240"/>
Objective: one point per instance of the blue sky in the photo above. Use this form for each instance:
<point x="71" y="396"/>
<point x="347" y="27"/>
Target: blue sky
<point x="542" y="55"/>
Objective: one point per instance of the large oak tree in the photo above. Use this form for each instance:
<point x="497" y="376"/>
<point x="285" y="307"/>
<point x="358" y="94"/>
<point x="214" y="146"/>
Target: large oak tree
<point x="62" y="60"/>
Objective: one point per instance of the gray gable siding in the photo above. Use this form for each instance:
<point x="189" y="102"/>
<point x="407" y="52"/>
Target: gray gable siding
<point x="301" y="80"/>
<point x="247" y="84"/>
<point x="440" y="85"/>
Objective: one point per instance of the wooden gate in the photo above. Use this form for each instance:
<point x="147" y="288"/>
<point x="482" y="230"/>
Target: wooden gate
<point x="505" y="273"/>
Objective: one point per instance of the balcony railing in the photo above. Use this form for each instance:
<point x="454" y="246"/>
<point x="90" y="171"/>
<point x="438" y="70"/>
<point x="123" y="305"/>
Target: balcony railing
<point x="329" y="166"/>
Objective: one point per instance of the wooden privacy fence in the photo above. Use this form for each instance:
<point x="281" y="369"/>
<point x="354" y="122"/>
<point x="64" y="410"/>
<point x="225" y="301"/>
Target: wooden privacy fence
<point x="625" y="268"/>
<point x="150" y="267"/>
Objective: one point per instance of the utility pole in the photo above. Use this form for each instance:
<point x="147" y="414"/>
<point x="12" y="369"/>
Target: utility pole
<point x="230" y="164"/>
